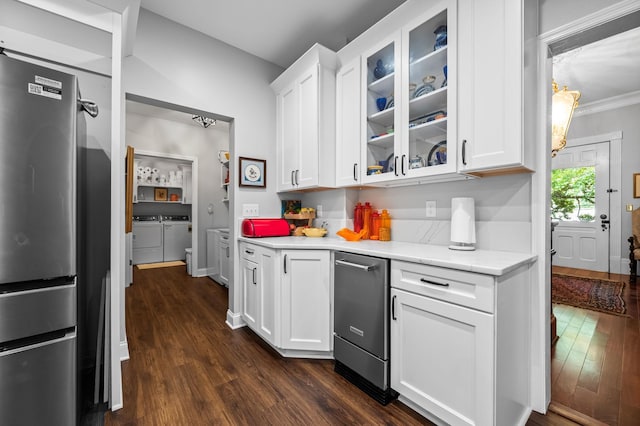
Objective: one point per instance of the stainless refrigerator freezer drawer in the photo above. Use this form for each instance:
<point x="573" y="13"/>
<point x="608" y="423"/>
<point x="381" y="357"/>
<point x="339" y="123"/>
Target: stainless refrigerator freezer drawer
<point x="362" y="362"/>
<point x="41" y="310"/>
<point x="38" y="385"/>
<point x="361" y="308"/>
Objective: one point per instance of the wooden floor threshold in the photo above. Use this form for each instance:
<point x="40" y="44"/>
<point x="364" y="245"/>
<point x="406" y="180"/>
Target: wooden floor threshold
<point x="573" y="415"/>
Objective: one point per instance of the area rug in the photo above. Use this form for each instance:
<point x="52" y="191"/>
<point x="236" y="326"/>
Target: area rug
<point x="160" y="264"/>
<point x="596" y="295"/>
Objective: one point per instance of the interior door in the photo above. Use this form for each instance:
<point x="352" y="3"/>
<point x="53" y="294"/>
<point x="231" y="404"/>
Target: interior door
<point x="581" y="238"/>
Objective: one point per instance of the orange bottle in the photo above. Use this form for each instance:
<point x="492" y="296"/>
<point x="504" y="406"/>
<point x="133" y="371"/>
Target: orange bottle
<point x="366" y="220"/>
<point x="375" y="225"/>
<point x="385" y="226"/>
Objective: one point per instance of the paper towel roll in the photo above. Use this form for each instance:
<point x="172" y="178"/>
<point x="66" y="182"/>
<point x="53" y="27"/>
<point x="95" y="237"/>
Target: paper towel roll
<point x="463" y="224"/>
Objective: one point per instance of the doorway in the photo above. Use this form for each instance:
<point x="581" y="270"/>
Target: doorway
<point x="580" y="203"/>
<point x="171" y="131"/>
<point x="575" y="35"/>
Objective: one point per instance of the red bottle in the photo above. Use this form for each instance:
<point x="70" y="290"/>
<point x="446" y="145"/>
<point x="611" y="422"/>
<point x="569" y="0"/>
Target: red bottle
<point x="366" y="220"/>
<point x="357" y="218"/>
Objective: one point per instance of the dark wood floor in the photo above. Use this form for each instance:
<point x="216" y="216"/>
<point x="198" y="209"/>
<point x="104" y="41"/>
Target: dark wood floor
<point x="187" y="367"/>
<point x="595" y="365"/>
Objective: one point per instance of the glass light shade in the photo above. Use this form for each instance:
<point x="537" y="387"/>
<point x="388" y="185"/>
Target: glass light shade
<point x="564" y="102"/>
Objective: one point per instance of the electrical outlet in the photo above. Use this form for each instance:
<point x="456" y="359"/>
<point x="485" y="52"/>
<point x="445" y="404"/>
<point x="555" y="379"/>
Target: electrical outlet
<point x="250" y="210"/>
<point x="319" y="210"/>
<point x="431" y="209"/>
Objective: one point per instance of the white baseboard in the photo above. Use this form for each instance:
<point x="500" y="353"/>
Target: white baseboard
<point x="234" y="320"/>
<point x="124" y="350"/>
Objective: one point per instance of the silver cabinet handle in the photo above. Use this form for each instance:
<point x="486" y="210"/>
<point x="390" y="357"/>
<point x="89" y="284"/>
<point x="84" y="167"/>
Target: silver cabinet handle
<point x="395" y="165"/>
<point x="297" y="177"/>
<point x="293" y="181"/>
<point x="426" y="281"/>
<point x="248" y="251"/>
<point x="355" y="167"/>
<point x="285" y="263"/>
<point x="355" y="265"/>
<point x="227" y="251"/>
<point x="254" y="275"/>
<point x="402" y="164"/>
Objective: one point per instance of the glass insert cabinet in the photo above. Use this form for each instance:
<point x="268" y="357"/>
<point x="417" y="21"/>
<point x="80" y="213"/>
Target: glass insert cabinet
<point x="409" y="103"/>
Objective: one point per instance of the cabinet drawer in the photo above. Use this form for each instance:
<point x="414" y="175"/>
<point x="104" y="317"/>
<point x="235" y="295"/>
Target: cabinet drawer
<point x="460" y="287"/>
<point x="249" y="252"/>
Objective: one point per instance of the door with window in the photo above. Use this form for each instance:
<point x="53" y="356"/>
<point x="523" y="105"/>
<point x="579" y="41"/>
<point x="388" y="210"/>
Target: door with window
<point x="580" y="204"/>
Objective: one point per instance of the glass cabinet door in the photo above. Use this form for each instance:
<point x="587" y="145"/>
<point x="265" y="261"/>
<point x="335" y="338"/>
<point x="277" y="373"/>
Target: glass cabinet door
<point x="427" y="115"/>
<point x="381" y="72"/>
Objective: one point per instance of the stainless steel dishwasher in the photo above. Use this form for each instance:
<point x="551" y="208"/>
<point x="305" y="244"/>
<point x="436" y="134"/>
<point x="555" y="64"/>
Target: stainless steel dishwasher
<point x="361" y="323"/>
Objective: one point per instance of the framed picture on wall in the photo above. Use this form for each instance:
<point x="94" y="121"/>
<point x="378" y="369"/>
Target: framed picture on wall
<point x="160" y="194"/>
<point x="636" y="185"/>
<point x="253" y="172"/>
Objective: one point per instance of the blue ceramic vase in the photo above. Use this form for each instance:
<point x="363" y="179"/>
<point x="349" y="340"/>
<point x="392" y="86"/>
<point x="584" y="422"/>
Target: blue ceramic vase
<point x="380" y="70"/>
<point x="441" y="37"/>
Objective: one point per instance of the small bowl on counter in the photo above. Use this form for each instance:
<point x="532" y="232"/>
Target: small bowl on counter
<point x="314" y="232"/>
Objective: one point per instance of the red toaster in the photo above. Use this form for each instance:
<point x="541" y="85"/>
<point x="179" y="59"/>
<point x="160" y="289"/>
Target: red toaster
<point x="265" y="228"/>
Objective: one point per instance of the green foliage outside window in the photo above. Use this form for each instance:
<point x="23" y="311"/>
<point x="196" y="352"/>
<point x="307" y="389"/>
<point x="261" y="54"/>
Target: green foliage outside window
<point x="573" y="192"/>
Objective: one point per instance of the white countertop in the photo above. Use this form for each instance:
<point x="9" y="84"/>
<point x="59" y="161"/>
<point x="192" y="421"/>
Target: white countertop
<point x="488" y="262"/>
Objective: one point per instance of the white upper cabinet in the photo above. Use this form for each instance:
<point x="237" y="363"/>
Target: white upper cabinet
<point x="496" y="82"/>
<point x="409" y="104"/>
<point x="348" y="166"/>
<point x="305" y="98"/>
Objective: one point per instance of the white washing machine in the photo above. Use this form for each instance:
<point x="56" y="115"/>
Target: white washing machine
<point x="177" y="237"/>
<point x="147" y="244"/>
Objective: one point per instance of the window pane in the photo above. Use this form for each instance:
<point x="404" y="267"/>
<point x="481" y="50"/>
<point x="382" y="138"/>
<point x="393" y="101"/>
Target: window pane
<point x="573" y="194"/>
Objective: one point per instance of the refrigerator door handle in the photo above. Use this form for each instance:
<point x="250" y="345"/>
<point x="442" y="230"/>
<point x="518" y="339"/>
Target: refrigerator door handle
<point x="68" y="335"/>
<point x="89" y="106"/>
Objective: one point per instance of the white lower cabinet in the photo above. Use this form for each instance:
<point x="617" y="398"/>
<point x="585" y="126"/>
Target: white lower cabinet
<point x="286" y="297"/>
<point x="224" y="259"/>
<point x="306" y="300"/>
<point x="258" y="290"/>
<point x="441" y="358"/>
<point x="459" y="343"/>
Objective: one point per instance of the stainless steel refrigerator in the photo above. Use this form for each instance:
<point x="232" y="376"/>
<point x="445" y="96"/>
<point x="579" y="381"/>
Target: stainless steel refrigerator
<point x="39" y="115"/>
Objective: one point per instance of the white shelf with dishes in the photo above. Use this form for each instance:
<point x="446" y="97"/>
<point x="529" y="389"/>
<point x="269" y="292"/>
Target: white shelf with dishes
<point x="407" y="102"/>
<point x="225" y="178"/>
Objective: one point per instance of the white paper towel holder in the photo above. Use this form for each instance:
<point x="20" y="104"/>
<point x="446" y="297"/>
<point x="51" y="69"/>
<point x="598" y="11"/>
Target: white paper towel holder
<point x="463" y="224"/>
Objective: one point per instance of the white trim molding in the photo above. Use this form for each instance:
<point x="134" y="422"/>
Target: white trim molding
<point x="608" y="104"/>
<point x="234" y="320"/>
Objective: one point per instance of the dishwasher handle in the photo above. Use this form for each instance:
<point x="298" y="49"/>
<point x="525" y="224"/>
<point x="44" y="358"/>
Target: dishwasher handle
<point x="355" y="265"/>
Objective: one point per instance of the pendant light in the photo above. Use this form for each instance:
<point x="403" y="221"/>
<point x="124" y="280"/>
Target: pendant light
<point x="203" y="121"/>
<point x="563" y="103"/>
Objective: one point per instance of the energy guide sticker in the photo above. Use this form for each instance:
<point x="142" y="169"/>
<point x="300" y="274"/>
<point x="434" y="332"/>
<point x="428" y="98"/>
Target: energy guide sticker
<point x="46" y="87"/>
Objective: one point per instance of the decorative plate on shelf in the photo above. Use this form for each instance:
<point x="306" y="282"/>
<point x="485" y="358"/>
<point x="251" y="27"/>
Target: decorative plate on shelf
<point x="438" y="154"/>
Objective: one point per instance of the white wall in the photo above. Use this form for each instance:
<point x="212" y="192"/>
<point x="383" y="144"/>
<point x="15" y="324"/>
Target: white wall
<point x="188" y="139"/>
<point x="177" y="65"/>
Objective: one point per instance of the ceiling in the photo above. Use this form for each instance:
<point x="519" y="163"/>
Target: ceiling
<point x="279" y="31"/>
<point x="603" y="69"/>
